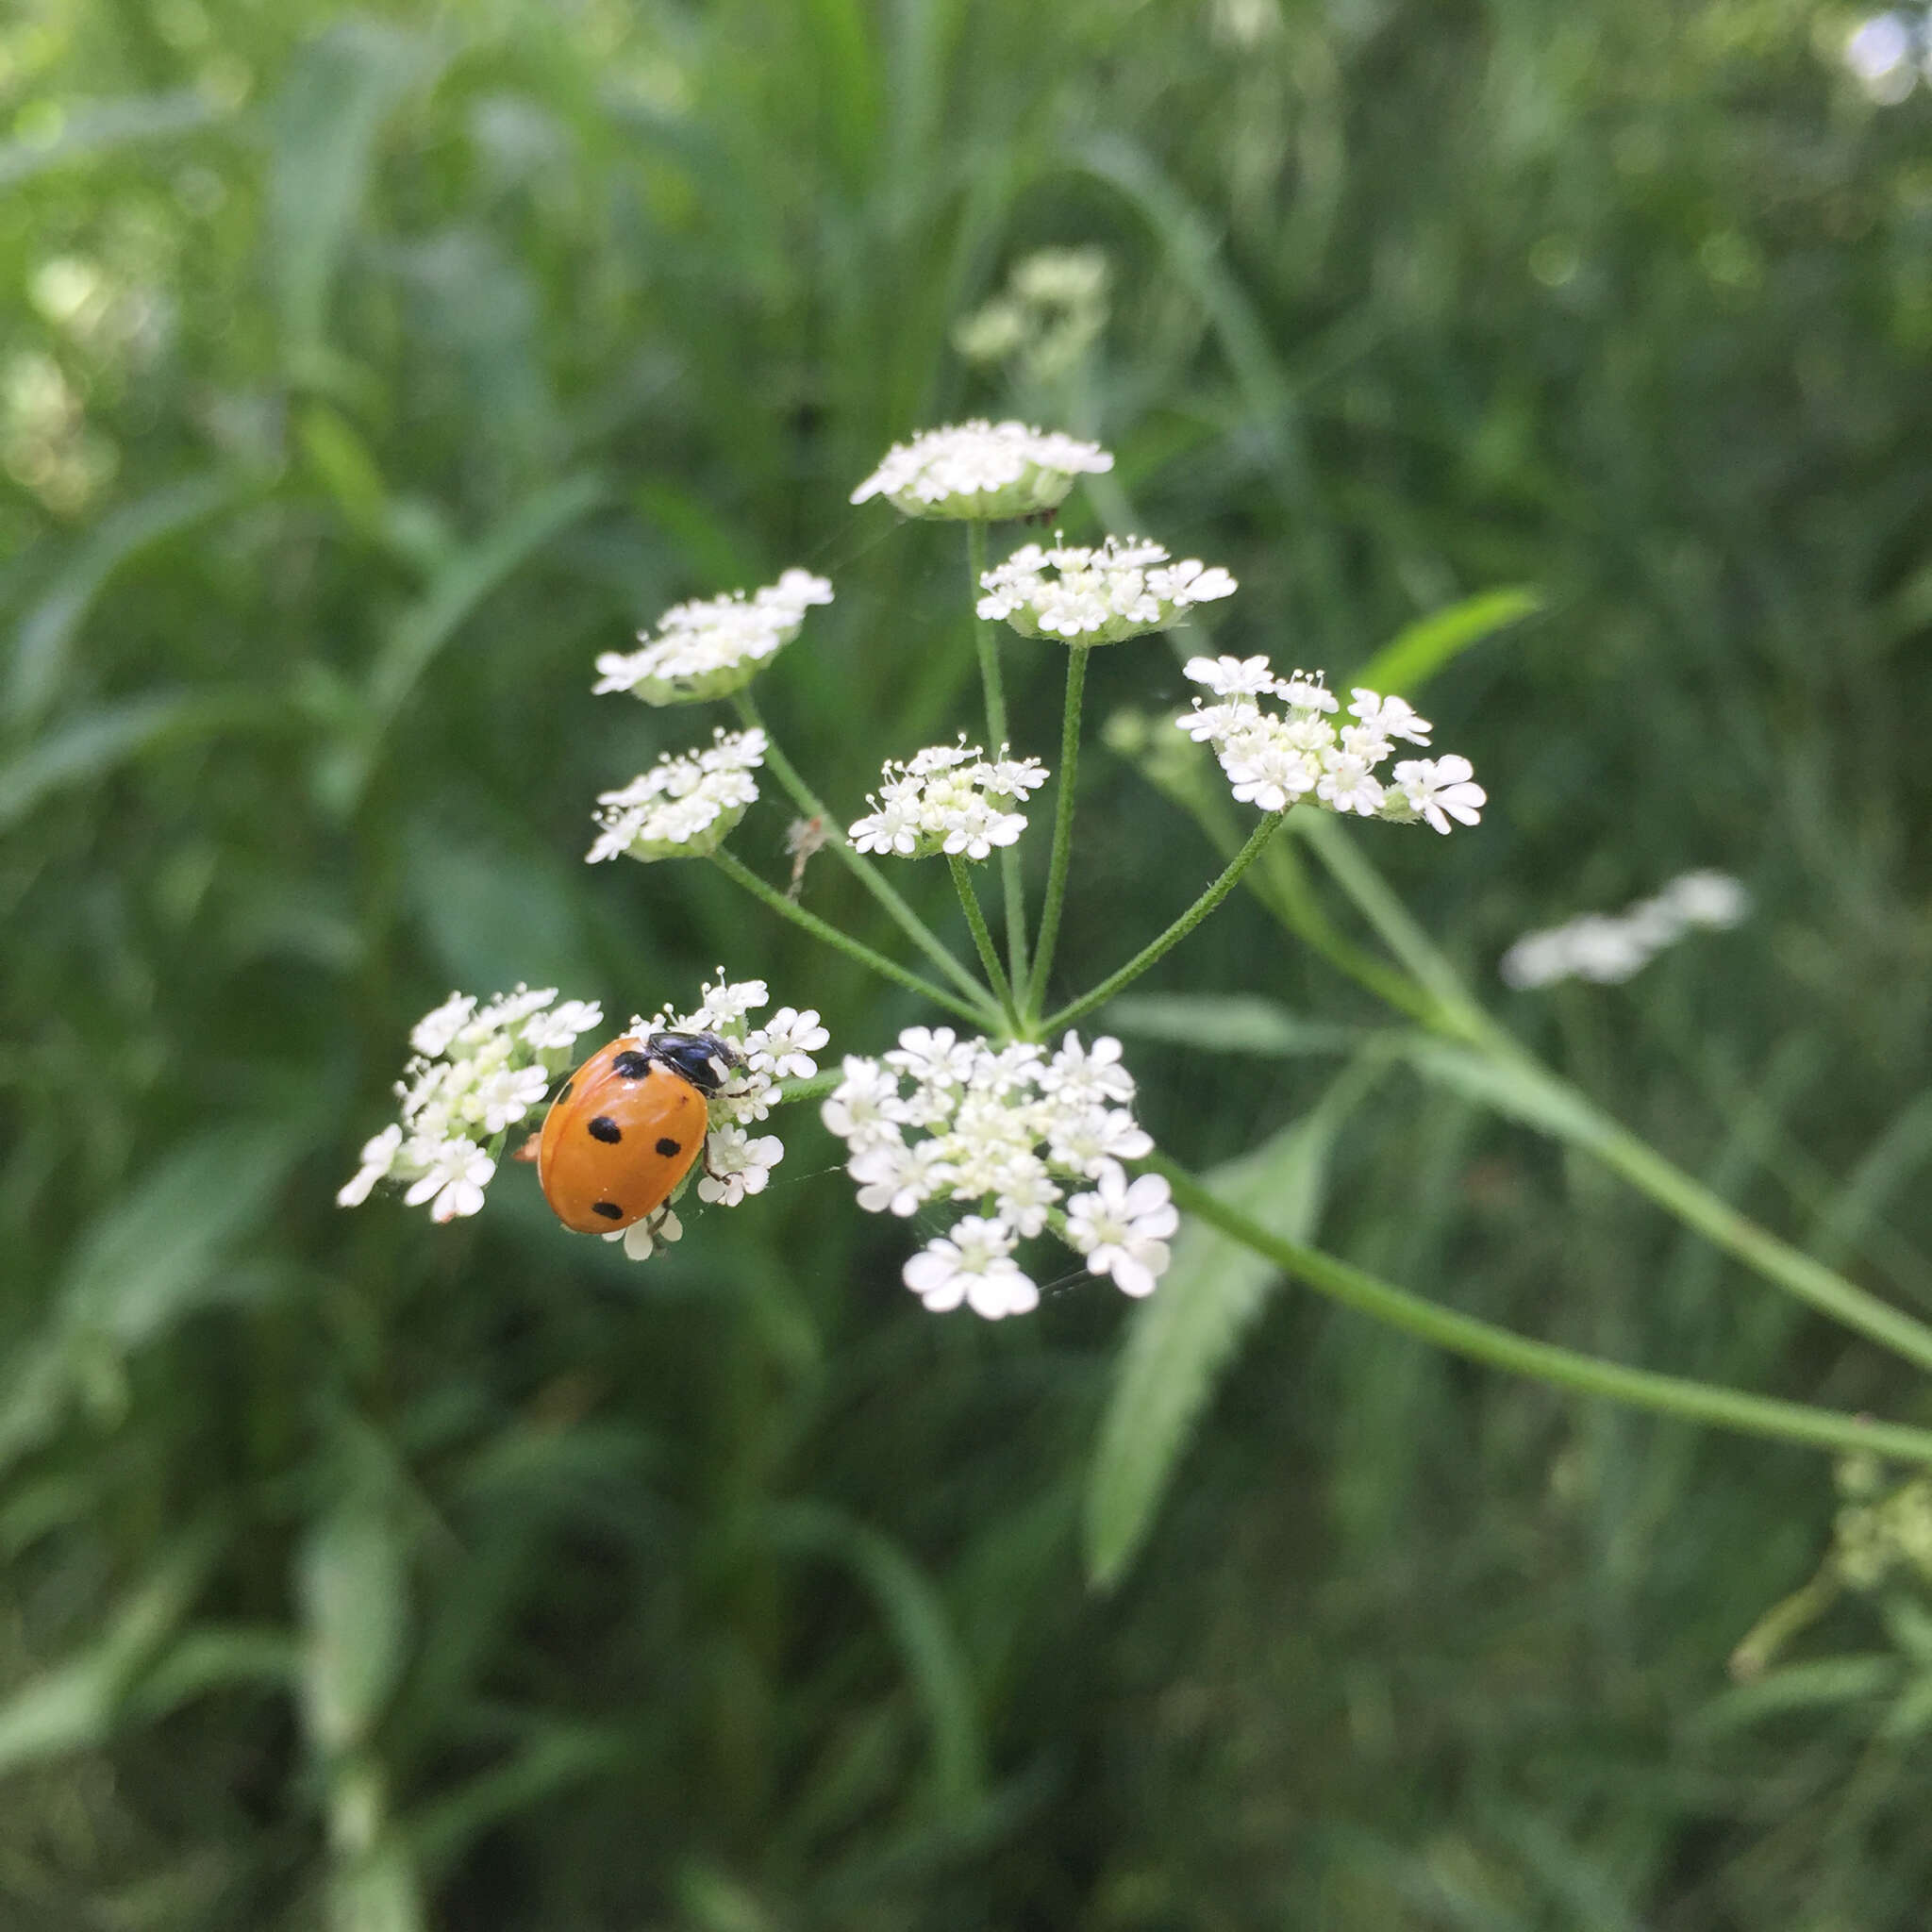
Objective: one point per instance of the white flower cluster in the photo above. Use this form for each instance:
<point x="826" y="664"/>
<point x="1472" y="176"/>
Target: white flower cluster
<point x="941" y="1118"/>
<point x="982" y="472"/>
<point x="1613" y="947"/>
<point x="477" y="1071"/>
<point x="1123" y="590"/>
<point x="1274" y="760"/>
<point x="1052" y="312"/>
<point x="735" y="1163"/>
<point x="709" y="649"/>
<point x="685" y="805"/>
<point x="949" y="798"/>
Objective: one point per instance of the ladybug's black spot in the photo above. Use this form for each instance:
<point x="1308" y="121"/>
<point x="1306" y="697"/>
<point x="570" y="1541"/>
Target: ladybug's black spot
<point x="667" y="1147"/>
<point x="605" y="1129"/>
<point x="632" y="1065"/>
<point x="608" y="1209"/>
<point x="563" y="1091"/>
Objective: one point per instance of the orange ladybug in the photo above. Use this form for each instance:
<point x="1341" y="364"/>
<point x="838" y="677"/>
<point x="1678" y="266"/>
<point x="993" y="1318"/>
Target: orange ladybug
<point x="626" y="1125"/>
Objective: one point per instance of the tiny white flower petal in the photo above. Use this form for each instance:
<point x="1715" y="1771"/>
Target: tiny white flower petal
<point x="377" y="1158"/>
<point x="981" y="471"/>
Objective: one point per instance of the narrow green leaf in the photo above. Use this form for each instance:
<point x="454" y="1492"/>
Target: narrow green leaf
<point x="916" y="1617"/>
<point x="1522" y="1092"/>
<point x="340" y="90"/>
<point x="78" y="1704"/>
<point x="354" y="1607"/>
<point x="1185" y="1334"/>
<point x="1416" y="653"/>
<point x="45" y="634"/>
<point x="85" y="751"/>
<point x="1228" y="1022"/>
<point x="1836" y="1680"/>
<point x="158" y="1252"/>
<point x="80" y="133"/>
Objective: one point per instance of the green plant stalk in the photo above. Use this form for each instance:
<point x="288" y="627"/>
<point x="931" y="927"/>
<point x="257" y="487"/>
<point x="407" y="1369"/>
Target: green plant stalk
<point x="734" y="868"/>
<point x="809" y="802"/>
<point x="989" y="954"/>
<point x="996" y="736"/>
<point x="1230" y="877"/>
<point x="1062" y="831"/>
<point x="1544" y="1361"/>
<point x="1624" y="1153"/>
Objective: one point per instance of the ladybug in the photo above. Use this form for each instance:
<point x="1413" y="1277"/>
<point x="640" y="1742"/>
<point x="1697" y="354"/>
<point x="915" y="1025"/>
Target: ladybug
<point x="626" y="1125"/>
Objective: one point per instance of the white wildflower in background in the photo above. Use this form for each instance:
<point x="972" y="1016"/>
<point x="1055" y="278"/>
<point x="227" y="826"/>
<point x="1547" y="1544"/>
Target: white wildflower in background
<point x="1275" y="759"/>
<point x="982" y="472"/>
<point x="1888" y="54"/>
<point x="1005" y="1130"/>
<point x="736" y="1164"/>
<point x="1613" y="947"/>
<point x="685" y="806"/>
<point x="1052" y="311"/>
<point x="712" y="648"/>
<point x="1125" y="589"/>
<point x="949" y="798"/>
<point x="480" y="1069"/>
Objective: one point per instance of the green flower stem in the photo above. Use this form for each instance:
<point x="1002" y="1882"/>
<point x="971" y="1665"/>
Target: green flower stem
<point x="868" y="876"/>
<point x="1062" y="831"/>
<point x="1271" y="824"/>
<point x="996" y="736"/>
<point x="815" y="1089"/>
<point x="976" y="919"/>
<point x="982" y="1014"/>
<point x="1544" y="1361"/>
<point x="1456" y="1014"/>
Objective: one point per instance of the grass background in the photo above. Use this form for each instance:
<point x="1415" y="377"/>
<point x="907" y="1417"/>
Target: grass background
<point x="364" y="374"/>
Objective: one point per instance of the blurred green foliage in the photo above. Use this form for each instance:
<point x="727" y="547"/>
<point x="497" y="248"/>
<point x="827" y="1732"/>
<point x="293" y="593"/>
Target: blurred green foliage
<point x="364" y="375"/>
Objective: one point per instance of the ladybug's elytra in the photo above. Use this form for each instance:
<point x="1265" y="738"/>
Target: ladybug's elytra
<point x="626" y="1125"/>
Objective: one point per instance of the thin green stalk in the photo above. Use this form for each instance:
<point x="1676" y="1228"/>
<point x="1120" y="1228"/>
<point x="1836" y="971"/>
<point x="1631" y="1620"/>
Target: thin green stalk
<point x="1062" y="831"/>
<point x="734" y="868"/>
<point x="1544" y="1361"/>
<point x="976" y="920"/>
<point x="986" y="644"/>
<point x="868" y="876"/>
<point x="1271" y="824"/>
<point x="1624" y="1153"/>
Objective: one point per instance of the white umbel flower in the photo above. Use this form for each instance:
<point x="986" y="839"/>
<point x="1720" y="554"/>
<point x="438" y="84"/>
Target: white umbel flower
<point x="951" y="799"/>
<point x="976" y="1267"/>
<point x="685" y="806"/>
<point x="712" y="648"/>
<point x="1277" y="758"/>
<point x="1001" y="1131"/>
<point x="481" y="1068"/>
<point x="1610" y="947"/>
<point x="1124" y="590"/>
<point x="982" y="472"/>
<point x="1122" y="1228"/>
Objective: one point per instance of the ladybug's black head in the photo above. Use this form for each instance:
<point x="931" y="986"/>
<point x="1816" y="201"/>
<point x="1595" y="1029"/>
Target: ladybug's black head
<point x="701" y="1058"/>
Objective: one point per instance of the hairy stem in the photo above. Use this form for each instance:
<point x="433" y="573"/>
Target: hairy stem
<point x="861" y="868"/>
<point x="1271" y="824"/>
<point x="983" y="1013"/>
<point x="1062" y="831"/>
<point x="1544" y="1361"/>
<point x="976" y="920"/>
<point x="986" y="642"/>
<point x="1456" y="1014"/>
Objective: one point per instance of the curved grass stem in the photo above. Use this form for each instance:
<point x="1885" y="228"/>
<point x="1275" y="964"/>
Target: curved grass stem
<point x="1544" y="1361"/>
